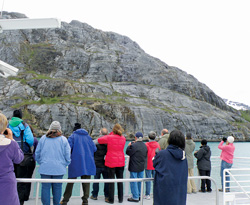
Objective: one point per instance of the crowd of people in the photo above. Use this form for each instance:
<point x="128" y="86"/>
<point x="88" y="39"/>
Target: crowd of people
<point x="170" y="161"/>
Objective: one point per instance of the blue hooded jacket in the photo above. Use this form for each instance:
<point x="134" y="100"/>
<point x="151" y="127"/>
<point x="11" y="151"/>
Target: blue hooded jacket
<point x="82" y="154"/>
<point x="16" y="125"/>
<point x="171" y="175"/>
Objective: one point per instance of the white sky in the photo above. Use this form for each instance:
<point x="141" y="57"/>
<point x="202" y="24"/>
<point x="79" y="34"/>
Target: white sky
<point x="209" y="39"/>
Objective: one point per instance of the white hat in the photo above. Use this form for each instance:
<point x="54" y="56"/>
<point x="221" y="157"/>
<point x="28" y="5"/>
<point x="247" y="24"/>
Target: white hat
<point x="230" y="139"/>
<point x="55" y="125"/>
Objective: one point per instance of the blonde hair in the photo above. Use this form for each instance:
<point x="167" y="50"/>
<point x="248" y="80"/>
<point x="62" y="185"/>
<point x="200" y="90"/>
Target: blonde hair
<point x="117" y="129"/>
<point x="3" y="123"/>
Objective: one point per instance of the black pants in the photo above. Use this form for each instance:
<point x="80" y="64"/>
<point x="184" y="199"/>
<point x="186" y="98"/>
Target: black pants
<point x="118" y="172"/>
<point x="85" y="187"/>
<point x="205" y="181"/>
<point x="23" y="189"/>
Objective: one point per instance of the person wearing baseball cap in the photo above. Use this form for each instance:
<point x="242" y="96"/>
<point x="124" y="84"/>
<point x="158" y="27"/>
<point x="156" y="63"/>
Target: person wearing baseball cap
<point x="227" y="155"/>
<point x="137" y="151"/>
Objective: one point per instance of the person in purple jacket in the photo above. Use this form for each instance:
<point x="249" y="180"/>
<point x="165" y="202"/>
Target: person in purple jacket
<point x="82" y="162"/>
<point x="10" y="153"/>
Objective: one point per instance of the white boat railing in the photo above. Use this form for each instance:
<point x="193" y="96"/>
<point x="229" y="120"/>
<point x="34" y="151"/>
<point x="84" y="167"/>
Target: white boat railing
<point x="239" y="162"/>
<point x="238" y="191"/>
<point x="142" y="180"/>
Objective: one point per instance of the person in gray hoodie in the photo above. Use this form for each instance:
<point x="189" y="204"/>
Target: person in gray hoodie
<point x="204" y="164"/>
<point x="189" y="149"/>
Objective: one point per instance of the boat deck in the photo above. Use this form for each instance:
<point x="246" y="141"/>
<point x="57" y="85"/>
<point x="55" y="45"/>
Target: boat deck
<point x="192" y="199"/>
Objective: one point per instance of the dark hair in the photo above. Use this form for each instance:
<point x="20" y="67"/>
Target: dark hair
<point x="203" y="142"/>
<point x="131" y="135"/>
<point x="189" y="136"/>
<point x="152" y="135"/>
<point x="18" y="113"/>
<point x="177" y="138"/>
<point x="77" y="126"/>
<point x="117" y="129"/>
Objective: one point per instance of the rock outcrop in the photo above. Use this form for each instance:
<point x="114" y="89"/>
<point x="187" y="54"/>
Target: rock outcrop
<point x="81" y="74"/>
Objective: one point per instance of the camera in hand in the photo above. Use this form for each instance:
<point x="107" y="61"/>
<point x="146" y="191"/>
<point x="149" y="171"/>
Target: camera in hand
<point x="5" y="132"/>
<point x="224" y="139"/>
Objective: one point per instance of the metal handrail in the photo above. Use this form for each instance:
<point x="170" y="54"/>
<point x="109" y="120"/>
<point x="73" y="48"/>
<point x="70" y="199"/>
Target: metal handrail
<point x="228" y="173"/>
<point x="142" y="180"/>
<point x="23" y="180"/>
<point x="216" y="188"/>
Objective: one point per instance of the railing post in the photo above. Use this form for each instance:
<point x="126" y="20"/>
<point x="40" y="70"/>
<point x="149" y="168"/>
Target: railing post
<point x="142" y="191"/>
<point x="126" y="190"/>
<point x="37" y="192"/>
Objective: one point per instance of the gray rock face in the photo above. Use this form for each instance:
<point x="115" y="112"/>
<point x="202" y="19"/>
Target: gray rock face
<point x="81" y="74"/>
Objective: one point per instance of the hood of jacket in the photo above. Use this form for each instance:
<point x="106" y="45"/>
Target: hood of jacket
<point x="166" y="136"/>
<point x="206" y="148"/>
<point x="153" y="144"/>
<point x="15" y="121"/>
<point x="3" y="142"/>
<point x="189" y="142"/>
<point x="81" y="132"/>
<point x="176" y="152"/>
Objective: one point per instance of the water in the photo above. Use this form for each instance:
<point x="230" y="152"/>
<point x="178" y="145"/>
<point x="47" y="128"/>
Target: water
<point x="241" y="150"/>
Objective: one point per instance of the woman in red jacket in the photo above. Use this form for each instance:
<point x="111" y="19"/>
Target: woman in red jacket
<point x="115" y="159"/>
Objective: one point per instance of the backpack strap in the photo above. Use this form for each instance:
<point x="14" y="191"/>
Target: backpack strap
<point x="21" y="135"/>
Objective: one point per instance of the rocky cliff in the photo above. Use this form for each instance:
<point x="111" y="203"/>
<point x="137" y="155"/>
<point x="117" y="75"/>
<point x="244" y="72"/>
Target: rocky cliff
<point x="81" y="74"/>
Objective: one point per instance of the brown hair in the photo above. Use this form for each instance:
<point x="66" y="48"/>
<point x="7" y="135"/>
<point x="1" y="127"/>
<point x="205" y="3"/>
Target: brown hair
<point x="117" y="129"/>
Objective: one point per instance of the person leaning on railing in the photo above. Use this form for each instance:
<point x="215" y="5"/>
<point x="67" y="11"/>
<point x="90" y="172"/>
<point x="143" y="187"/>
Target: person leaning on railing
<point x="115" y="159"/>
<point x="227" y="155"/>
<point x="203" y="156"/>
<point x="10" y="153"/>
<point x="171" y="172"/>
<point x="189" y="149"/>
<point x="53" y="155"/>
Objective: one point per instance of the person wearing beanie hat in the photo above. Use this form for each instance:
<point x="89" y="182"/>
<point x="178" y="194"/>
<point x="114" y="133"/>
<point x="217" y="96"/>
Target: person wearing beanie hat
<point x="21" y="130"/>
<point x="53" y="155"/>
<point x="77" y="126"/>
<point x="54" y="130"/>
<point x="82" y="163"/>
<point x="227" y="155"/>
<point x="137" y="162"/>
<point x="152" y="145"/>
<point x="18" y="113"/>
<point x="230" y="139"/>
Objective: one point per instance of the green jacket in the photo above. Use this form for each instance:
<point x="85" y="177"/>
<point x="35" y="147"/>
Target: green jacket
<point x="163" y="142"/>
<point x="189" y="149"/>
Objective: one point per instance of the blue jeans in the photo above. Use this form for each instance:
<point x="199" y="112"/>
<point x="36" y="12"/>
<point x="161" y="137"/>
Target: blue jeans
<point x="56" y="190"/>
<point x="149" y="174"/>
<point x="104" y="173"/>
<point x="225" y="165"/>
<point x="136" y="186"/>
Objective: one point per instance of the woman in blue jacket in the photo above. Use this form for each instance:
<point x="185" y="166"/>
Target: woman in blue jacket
<point x="171" y="172"/>
<point x="53" y="155"/>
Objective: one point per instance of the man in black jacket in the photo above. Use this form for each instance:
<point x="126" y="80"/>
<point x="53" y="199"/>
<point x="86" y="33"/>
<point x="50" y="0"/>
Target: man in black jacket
<point x="204" y="165"/>
<point x="99" y="157"/>
<point x="137" y="162"/>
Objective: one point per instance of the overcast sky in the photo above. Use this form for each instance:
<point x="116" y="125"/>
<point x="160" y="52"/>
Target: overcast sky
<point x="208" y="39"/>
